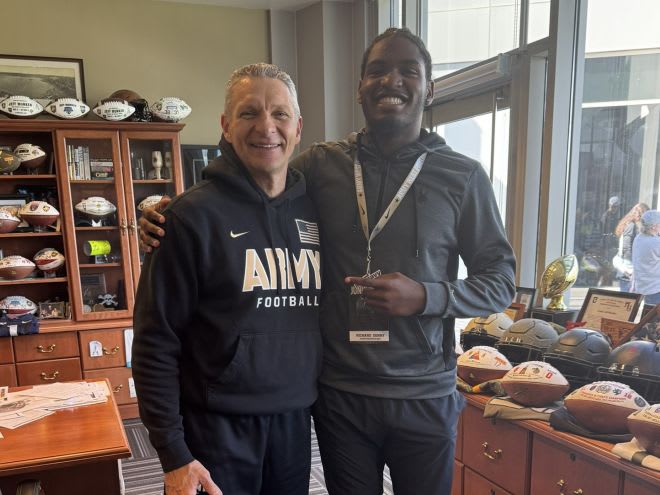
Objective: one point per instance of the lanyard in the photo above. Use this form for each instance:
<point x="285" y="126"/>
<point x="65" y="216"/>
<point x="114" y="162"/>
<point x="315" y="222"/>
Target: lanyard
<point x="391" y="208"/>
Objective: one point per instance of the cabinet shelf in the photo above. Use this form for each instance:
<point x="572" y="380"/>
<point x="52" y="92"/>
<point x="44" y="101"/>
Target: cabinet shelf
<point x="31" y="234"/>
<point x="99" y="265"/>
<point x="27" y="177"/>
<point x="152" y="181"/>
<point x="96" y="229"/>
<point x="87" y="182"/>
<point x="40" y="280"/>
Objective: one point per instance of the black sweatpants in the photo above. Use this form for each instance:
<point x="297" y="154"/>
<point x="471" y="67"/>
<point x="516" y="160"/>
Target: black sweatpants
<point x="358" y="435"/>
<point x="253" y="455"/>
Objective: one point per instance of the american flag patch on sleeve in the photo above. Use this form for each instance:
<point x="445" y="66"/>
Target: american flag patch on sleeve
<point x="308" y="232"/>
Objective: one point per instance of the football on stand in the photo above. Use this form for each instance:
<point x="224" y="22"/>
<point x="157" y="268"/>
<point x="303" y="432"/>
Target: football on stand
<point x="645" y="425"/>
<point x="16" y="306"/>
<point x="114" y="109"/>
<point x="67" y="108"/>
<point x="15" y="267"/>
<point x="482" y="363"/>
<point x="535" y="384"/>
<point x="8" y="221"/>
<point x="8" y="162"/>
<point x="170" y="109"/>
<point x="603" y="407"/>
<point x="39" y="213"/>
<point x="20" y="107"/>
<point x="31" y="155"/>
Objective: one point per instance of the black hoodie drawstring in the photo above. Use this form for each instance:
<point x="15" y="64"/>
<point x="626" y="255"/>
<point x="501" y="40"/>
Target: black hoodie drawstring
<point x="416" y="220"/>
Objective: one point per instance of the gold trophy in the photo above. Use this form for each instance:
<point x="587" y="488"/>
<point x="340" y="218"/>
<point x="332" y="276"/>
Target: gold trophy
<point x="558" y="277"/>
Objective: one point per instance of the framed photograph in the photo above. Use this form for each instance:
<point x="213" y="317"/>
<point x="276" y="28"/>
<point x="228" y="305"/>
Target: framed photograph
<point x="525" y="296"/>
<point x="42" y="78"/>
<point x="516" y="311"/>
<point x="602" y="303"/>
<point x="195" y="157"/>
<point x="618" y="331"/>
<point x="52" y="310"/>
<point x="93" y="285"/>
<point x="648" y="328"/>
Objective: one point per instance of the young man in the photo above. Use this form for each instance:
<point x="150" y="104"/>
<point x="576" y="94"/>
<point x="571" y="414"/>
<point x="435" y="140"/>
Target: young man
<point x="397" y="208"/>
<point x="227" y="347"/>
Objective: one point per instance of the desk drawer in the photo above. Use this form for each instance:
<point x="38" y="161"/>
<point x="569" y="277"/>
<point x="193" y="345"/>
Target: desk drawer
<point x="6" y="351"/>
<point x="118" y="382"/>
<point x="45" y="346"/>
<point x="496" y="449"/>
<point x="477" y="485"/>
<point x="111" y="350"/>
<point x="634" y="486"/>
<point x="558" y="469"/>
<point x="7" y="375"/>
<point x="54" y="370"/>
<point x="458" y="454"/>
<point x="457" y="481"/>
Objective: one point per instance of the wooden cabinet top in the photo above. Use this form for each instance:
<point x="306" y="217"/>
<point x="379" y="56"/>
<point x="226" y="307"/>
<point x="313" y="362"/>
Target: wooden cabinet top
<point x="47" y="125"/>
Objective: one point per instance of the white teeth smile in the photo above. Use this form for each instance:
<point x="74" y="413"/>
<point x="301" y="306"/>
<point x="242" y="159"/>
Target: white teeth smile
<point x="391" y="100"/>
<point x="266" y="146"/>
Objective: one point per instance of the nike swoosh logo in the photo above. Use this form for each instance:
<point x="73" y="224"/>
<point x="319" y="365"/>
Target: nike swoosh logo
<point x="234" y="236"/>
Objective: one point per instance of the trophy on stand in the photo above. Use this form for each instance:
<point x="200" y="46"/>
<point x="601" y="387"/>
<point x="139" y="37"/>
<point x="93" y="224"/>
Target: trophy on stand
<point x="157" y="163"/>
<point x="557" y="278"/>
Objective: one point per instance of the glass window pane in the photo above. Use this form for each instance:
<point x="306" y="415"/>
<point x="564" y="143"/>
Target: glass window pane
<point x="538" y="20"/>
<point x="463" y="32"/>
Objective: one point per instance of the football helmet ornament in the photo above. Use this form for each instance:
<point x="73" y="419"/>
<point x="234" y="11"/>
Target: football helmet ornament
<point x="527" y="340"/>
<point x="485" y="331"/>
<point x="637" y="364"/>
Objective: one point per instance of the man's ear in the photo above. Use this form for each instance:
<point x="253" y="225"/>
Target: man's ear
<point x="359" y="96"/>
<point x="224" y="123"/>
<point x="429" y="92"/>
<point x="299" y="129"/>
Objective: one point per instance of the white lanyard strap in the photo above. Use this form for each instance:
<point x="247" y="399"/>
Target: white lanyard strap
<point x="391" y="208"/>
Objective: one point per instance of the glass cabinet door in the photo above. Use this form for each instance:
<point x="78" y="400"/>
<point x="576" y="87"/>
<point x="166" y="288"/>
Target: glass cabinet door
<point x="153" y="169"/>
<point x="98" y="240"/>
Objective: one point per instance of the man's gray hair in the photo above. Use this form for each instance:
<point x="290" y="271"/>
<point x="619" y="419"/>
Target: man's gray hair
<point x="261" y="69"/>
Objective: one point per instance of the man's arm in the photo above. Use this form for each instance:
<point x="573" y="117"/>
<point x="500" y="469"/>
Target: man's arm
<point x="151" y="225"/>
<point x="166" y="297"/>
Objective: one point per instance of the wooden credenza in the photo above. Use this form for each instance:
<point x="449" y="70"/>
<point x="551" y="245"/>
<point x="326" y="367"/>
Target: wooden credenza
<point x="500" y="457"/>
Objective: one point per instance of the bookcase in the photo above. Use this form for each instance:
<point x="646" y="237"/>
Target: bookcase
<point x="86" y="159"/>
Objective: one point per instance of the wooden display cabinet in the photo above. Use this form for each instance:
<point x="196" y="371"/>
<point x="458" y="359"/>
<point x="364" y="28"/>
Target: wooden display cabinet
<point x="86" y="158"/>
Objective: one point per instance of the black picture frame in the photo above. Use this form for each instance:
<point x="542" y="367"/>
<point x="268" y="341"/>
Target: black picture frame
<point x="52" y="310"/>
<point x="15" y="201"/>
<point x="525" y="296"/>
<point x="630" y="299"/>
<point x="43" y="79"/>
<point x="649" y="326"/>
<point x="195" y="157"/>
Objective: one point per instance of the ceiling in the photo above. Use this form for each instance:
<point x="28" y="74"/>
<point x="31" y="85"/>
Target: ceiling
<point x="255" y="4"/>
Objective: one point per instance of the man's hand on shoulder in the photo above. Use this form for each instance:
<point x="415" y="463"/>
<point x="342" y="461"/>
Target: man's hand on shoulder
<point x="393" y="293"/>
<point x="148" y="223"/>
<point x="186" y="479"/>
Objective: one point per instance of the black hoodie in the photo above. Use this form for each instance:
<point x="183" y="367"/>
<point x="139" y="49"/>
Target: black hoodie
<point x="226" y="314"/>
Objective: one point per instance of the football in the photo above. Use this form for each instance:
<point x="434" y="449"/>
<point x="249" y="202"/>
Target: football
<point x="114" y="109"/>
<point x="149" y="201"/>
<point x="535" y="384"/>
<point x="15" y="267"/>
<point x="8" y="162"/>
<point x="38" y="213"/>
<point x="645" y="426"/>
<point x="31" y="155"/>
<point x="482" y="363"/>
<point x="17" y="306"/>
<point x="8" y="221"/>
<point x="67" y="108"/>
<point x="20" y="107"/>
<point x="170" y="109"/>
<point x="603" y="407"/>
<point x="48" y="259"/>
<point x="96" y="206"/>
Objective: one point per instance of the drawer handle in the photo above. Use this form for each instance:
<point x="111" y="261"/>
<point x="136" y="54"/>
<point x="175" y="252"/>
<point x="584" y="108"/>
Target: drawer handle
<point x="118" y="388"/>
<point x="43" y="349"/>
<point x="578" y="492"/>
<point x="495" y="455"/>
<point x="112" y="351"/>
<point x="44" y="376"/>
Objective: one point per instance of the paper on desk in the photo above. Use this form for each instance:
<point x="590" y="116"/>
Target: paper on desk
<point x="24" y="418"/>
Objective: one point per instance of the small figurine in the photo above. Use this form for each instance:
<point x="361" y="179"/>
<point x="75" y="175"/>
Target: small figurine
<point x="108" y="300"/>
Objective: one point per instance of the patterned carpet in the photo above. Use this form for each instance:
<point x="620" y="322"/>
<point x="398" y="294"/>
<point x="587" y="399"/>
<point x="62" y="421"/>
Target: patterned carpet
<point x="143" y="475"/>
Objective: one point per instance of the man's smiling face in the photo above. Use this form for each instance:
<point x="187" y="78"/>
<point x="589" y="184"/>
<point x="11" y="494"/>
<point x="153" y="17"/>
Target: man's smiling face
<point x="394" y="89"/>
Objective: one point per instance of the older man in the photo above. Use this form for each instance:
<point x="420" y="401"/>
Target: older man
<point x="397" y="209"/>
<point x="227" y="346"/>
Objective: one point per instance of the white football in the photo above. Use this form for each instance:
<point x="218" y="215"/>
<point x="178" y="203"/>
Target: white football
<point x="149" y="201"/>
<point x="8" y="221"/>
<point x="170" y="109"/>
<point x="48" y="259"/>
<point x="604" y="407"/>
<point x="17" y="306"/>
<point x="114" y="109"/>
<point x="645" y="425"/>
<point x="96" y="206"/>
<point x="31" y="155"/>
<point x="482" y="363"/>
<point x="67" y="108"/>
<point x="38" y="213"/>
<point x="15" y="267"/>
<point x="20" y="107"/>
<point x="535" y="384"/>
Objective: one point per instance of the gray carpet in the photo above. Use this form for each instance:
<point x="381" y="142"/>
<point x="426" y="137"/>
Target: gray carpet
<point x="143" y="475"/>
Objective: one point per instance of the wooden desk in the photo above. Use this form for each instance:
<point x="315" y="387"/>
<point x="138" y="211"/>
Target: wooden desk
<point x="72" y="452"/>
